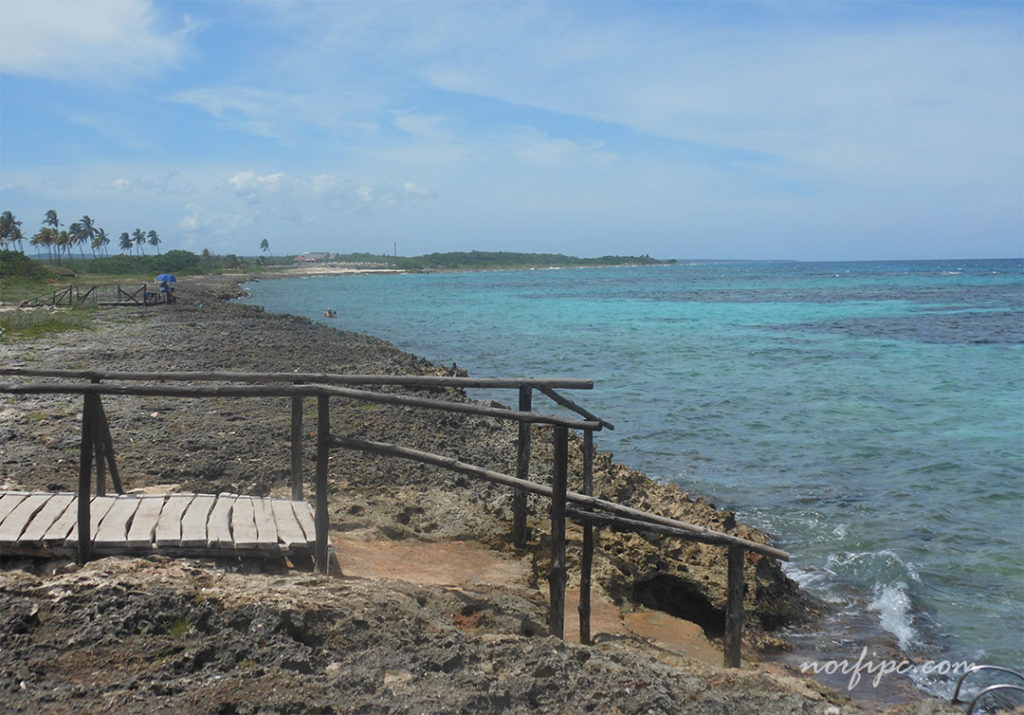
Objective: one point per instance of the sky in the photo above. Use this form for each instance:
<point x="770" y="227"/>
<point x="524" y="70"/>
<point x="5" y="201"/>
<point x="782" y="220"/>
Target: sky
<point x="808" y="130"/>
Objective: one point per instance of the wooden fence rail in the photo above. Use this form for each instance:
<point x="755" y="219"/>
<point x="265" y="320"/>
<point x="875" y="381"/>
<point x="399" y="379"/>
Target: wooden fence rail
<point x="97" y="447"/>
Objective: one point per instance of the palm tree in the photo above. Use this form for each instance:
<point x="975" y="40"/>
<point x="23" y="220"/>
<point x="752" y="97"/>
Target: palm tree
<point x="10" y="229"/>
<point x="50" y="219"/>
<point x="76" y="235"/>
<point x="64" y="242"/>
<point x="265" y="246"/>
<point x="126" y="242"/>
<point x="88" y="233"/>
<point x="44" y="237"/>
<point x="100" y="240"/>
<point x="154" y="240"/>
<point x="139" y="238"/>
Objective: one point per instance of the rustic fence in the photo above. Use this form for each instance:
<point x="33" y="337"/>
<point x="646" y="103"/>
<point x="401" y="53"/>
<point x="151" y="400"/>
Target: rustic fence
<point x="96" y="444"/>
<point x="108" y="295"/>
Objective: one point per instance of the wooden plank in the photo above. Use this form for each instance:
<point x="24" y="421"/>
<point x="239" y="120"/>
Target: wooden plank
<point x="98" y="509"/>
<point x="113" y="529"/>
<point x="288" y="528"/>
<point x="168" y="526"/>
<point x="10" y="500"/>
<point x="193" y="523"/>
<point x="218" y="526"/>
<point x="58" y="531"/>
<point x="304" y="515"/>
<point x="18" y="519"/>
<point x="46" y="517"/>
<point x="140" y="535"/>
<point x="243" y="524"/>
<point x="266" y="529"/>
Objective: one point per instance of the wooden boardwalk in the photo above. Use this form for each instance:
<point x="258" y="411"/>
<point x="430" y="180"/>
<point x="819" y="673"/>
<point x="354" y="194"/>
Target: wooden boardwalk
<point x="203" y="525"/>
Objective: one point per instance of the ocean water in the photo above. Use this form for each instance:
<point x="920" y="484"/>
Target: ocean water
<point x="868" y="415"/>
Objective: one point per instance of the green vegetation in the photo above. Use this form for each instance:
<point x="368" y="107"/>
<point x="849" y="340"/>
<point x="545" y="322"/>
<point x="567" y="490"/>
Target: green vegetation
<point x="482" y="260"/>
<point x="14" y="265"/>
<point x="178" y="627"/>
<point x="30" y="324"/>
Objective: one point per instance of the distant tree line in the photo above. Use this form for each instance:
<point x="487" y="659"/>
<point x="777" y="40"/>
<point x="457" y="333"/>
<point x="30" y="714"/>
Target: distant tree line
<point x="470" y="260"/>
<point x="52" y="236"/>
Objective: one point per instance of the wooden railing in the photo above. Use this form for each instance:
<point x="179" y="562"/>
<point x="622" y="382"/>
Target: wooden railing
<point x="70" y="295"/>
<point x="585" y="508"/>
<point x="111" y="295"/>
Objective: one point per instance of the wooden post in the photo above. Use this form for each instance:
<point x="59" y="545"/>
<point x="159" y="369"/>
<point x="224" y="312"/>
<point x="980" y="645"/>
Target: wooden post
<point x="587" y="557"/>
<point x="519" y="530"/>
<point x="734" y="608"/>
<point x="97" y="446"/>
<point x="85" y="478"/>
<point x="103" y="429"/>
<point x="323" y="433"/>
<point x="297" y="447"/>
<point x="556" y="577"/>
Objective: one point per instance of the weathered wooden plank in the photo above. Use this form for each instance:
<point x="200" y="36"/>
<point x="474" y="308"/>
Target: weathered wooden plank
<point x="304" y="515"/>
<point x="98" y="509"/>
<point x="218" y="526"/>
<point x="58" y="531"/>
<point x="10" y="500"/>
<point x="243" y="524"/>
<point x="289" y="531"/>
<point x="113" y="529"/>
<point x="140" y="535"/>
<point x="36" y="531"/>
<point x="193" y="523"/>
<point x="168" y="526"/>
<point x="266" y="529"/>
<point x="21" y="515"/>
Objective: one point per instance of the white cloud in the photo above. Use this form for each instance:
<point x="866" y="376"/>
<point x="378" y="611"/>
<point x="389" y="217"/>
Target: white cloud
<point x="303" y="198"/>
<point x="102" y="42"/>
<point x="255" y="188"/>
<point x="260" y="112"/>
<point x="200" y="220"/>
<point x="170" y="182"/>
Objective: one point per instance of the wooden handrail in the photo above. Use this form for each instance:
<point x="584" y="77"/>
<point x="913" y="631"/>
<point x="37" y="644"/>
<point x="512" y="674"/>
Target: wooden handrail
<point x="287" y="390"/>
<point x="650" y="521"/>
<point x="309" y="377"/>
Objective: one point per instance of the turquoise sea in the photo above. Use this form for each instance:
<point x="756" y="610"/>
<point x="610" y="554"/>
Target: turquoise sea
<point x="869" y="415"/>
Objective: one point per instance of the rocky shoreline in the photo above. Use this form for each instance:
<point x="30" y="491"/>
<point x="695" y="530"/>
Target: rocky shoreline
<point x="152" y="634"/>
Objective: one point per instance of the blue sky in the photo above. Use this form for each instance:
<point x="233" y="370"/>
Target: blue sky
<point x="811" y="130"/>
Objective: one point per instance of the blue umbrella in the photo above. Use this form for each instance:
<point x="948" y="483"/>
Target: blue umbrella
<point x="166" y="278"/>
